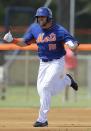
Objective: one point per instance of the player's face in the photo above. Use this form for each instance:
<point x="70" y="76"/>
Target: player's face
<point x="42" y="20"/>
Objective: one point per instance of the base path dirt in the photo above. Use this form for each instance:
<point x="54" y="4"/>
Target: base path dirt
<point x="60" y="119"/>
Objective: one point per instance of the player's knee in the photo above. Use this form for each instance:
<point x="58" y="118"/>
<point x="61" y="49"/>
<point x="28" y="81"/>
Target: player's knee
<point x="43" y="90"/>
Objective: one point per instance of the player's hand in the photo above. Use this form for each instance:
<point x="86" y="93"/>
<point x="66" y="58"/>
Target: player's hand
<point x="71" y="45"/>
<point x="8" y="37"/>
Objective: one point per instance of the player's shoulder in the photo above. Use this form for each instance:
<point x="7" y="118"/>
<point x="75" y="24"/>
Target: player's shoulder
<point x="34" y="26"/>
<point x="60" y="28"/>
<point x="63" y="29"/>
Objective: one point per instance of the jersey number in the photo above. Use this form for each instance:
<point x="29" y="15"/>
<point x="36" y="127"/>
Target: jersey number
<point x="52" y="46"/>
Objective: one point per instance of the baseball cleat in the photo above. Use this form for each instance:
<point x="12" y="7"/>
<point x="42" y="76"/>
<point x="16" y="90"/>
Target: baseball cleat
<point x="74" y="85"/>
<point x="40" y="124"/>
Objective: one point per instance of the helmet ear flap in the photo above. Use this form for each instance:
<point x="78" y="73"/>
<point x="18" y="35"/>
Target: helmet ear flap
<point x="49" y="19"/>
<point x="36" y="19"/>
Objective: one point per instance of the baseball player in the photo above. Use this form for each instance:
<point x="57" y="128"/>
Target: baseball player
<point x="50" y="38"/>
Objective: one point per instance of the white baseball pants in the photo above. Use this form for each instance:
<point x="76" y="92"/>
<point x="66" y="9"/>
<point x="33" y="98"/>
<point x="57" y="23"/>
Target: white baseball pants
<point x="51" y="80"/>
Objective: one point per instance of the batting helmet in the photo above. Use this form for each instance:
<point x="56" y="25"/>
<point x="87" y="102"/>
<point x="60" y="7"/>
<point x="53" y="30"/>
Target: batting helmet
<point x="44" y="11"/>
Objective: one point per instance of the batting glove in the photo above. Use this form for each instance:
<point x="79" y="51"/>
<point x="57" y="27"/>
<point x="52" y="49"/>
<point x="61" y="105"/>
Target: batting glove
<point x="8" y="37"/>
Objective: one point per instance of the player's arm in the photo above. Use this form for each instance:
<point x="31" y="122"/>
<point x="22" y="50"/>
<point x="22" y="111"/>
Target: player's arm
<point x="70" y="41"/>
<point x="21" y="42"/>
<point x="26" y="40"/>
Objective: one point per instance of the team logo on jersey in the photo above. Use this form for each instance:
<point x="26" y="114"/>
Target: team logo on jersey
<point x="51" y="37"/>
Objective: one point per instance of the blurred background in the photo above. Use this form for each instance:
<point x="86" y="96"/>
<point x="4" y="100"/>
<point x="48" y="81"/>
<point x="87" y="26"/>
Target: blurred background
<point x="18" y="69"/>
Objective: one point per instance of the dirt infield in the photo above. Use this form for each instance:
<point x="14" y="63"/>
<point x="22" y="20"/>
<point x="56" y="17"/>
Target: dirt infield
<point x="59" y="119"/>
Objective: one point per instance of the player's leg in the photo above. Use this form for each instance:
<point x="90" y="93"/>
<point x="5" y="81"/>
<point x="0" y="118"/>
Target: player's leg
<point x="45" y="100"/>
<point x="45" y="85"/>
<point x="51" y="80"/>
<point x="59" y="79"/>
<point x="47" y="78"/>
<point x="66" y="81"/>
<point x="45" y="97"/>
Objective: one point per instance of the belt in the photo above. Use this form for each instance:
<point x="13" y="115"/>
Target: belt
<point x="47" y="60"/>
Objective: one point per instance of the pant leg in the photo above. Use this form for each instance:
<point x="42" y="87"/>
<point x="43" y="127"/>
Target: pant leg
<point x="45" y="100"/>
<point x="45" y="94"/>
<point x="51" y="80"/>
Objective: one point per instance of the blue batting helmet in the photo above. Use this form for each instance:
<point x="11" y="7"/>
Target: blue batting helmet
<point x="44" y="11"/>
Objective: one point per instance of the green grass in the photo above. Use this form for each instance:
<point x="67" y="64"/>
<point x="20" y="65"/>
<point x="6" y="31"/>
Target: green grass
<point x="20" y="97"/>
<point x="28" y="97"/>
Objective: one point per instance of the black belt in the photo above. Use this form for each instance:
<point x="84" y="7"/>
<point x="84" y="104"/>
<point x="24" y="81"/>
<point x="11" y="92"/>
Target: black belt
<point x="47" y="60"/>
